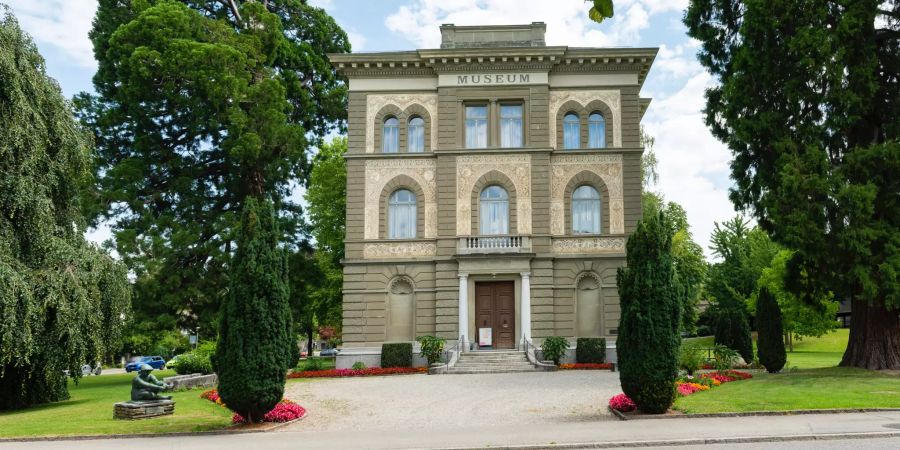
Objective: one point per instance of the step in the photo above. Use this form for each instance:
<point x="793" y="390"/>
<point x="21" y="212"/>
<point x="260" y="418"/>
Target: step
<point x="454" y="371"/>
<point x="520" y="364"/>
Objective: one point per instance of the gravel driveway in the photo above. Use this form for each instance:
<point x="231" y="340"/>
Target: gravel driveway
<point x="440" y="401"/>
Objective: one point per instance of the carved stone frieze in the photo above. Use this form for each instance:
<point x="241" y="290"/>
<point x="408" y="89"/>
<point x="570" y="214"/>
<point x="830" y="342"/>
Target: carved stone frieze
<point x="379" y="172"/>
<point x="382" y="250"/>
<point x="612" y="98"/>
<point x="375" y="102"/>
<point x="607" y="167"/>
<point x="575" y="245"/>
<point x="470" y="168"/>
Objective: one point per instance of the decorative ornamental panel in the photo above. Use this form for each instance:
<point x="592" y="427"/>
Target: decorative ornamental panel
<point x="386" y="250"/>
<point x="588" y="245"/>
<point x="375" y="103"/>
<point x="607" y="167"/>
<point x="612" y="98"/>
<point x="470" y="168"/>
<point x="379" y="172"/>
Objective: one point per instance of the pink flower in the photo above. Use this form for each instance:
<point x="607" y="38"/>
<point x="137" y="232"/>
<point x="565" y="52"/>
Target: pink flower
<point x="284" y="411"/>
<point x="622" y="403"/>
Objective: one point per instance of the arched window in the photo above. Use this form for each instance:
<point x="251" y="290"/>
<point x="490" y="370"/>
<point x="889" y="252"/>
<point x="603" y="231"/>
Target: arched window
<point x="402" y="215"/>
<point x="494" y="210"/>
<point x="400" y="308"/>
<point x="596" y="131"/>
<point x="588" y="309"/>
<point x="416" y="135"/>
<point x="571" y="131"/>
<point x="586" y="210"/>
<point x="391" y="135"/>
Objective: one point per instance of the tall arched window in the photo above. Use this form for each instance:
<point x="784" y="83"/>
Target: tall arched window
<point x="596" y="131"/>
<point x="416" y="135"/>
<point x="586" y="210"/>
<point x="402" y="215"/>
<point x="494" y="210"/>
<point x="571" y="131"/>
<point x="391" y="135"/>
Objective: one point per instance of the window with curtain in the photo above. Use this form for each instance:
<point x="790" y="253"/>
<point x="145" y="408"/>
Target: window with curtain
<point x="586" y="210"/>
<point x="391" y="135"/>
<point x="596" y="131"/>
<point x="476" y="126"/>
<point x="510" y="126"/>
<point x="416" y="135"/>
<point x="494" y="210"/>
<point x="571" y="131"/>
<point x="402" y="215"/>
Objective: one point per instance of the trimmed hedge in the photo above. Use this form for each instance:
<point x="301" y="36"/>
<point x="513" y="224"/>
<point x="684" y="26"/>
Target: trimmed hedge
<point x="396" y="355"/>
<point x="590" y="351"/>
<point x="770" y="341"/>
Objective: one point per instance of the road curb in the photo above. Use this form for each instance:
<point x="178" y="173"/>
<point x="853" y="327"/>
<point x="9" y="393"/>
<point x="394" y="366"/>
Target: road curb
<point x="790" y="412"/>
<point x="700" y="441"/>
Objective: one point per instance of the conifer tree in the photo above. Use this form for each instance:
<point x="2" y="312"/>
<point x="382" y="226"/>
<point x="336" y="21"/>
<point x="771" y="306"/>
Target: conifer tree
<point x="770" y="342"/>
<point x="648" y="341"/>
<point x="255" y="337"/>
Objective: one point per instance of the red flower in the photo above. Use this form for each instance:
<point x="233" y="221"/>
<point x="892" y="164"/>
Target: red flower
<point x="356" y="372"/>
<point x="622" y="403"/>
<point x="586" y="366"/>
<point x="284" y="411"/>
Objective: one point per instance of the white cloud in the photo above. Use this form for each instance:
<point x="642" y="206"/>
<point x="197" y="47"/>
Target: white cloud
<point x="63" y="24"/>
<point x="357" y="40"/>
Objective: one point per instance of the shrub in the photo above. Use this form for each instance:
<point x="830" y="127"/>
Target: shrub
<point x="195" y="361"/>
<point x="690" y="359"/>
<point x="648" y="341"/>
<point x="622" y="403"/>
<point x="359" y="365"/>
<point x="396" y="355"/>
<point x="725" y="358"/>
<point x="284" y="411"/>
<point x="255" y="331"/>
<point x="432" y="348"/>
<point x="590" y="350"/>
<point x="770" y="342"/>
<point x="554" y="348"/>
<point x="313" y="363"/>
<point x="733" y="331"/>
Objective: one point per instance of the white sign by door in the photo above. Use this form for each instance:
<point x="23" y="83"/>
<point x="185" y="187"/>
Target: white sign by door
<point x="485" y="337"/>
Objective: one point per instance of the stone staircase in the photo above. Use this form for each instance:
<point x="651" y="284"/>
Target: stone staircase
<point x="493" y="361"/>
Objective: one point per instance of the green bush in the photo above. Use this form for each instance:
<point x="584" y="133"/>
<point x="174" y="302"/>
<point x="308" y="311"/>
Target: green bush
<point x="396" y="354"/>
<point x="359" y="365"/>
<point x="770" y="341"/>
<point x="725" y="358"/>
<point x="313" y="363"/>
<point x="590" y="350"/>
<point x="554" y="348"/>
<point x="690" y="359"/>
<point x="648" y="341"/>
<point x="432" y="348"/>
<point x="195" y="361"/>
<point x="733" y="331"/>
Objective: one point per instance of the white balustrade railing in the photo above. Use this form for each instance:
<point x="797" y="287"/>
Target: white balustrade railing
<point x="494" y="244"/>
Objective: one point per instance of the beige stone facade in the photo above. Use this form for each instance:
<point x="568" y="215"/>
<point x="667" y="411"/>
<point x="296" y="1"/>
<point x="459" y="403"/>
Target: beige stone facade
<point x="426" y="283"/>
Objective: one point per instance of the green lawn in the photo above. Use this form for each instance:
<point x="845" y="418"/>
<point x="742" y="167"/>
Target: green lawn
<point x="810" y="380"/>
<point x="90" y="409"/>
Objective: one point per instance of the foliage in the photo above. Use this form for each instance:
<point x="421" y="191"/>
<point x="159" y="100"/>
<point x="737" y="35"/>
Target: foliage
<point x="370" y="371"/>
<point x="587" y="366"/>
<point x="359" y="365"/>
<point x="313" y="363"/>
<point x="590" y="350"/>
<point x="622" y="403"/>
<point x="256" y="340"/>
<point x="554" y="348"/>
<point x="648" y="341"/>
<point x="770" y="341"/>
<point x="816" y="162"/>
<point x="198" y="360"/>
<point x="725" y="358"/>
<point x="284" y="411"/>
<point x="602" y="9"/>
<point x="733" y="331"/>
<point x="397" y="354"/>
<point x="197" y="106"/>
<point x="62" y="300"/>
<point x="432" y="348"/>
<point x="690" y="358"/>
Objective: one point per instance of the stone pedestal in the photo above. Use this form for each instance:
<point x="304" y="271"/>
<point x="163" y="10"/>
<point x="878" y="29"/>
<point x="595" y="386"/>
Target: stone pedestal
<point x="143" y="409"/>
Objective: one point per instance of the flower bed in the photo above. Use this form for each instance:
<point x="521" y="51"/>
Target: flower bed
<point x="367" y="372"/>
<point x="284" y="411"/>
<point x="586" y="366"/>
<point x="689" y="385"/>
<point x="622" y="403"/>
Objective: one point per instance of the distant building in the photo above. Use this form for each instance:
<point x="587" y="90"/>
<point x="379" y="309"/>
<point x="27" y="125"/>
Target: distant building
<point x="492" y="184"/>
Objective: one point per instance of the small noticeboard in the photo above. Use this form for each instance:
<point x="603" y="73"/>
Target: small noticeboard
<point x="485" y="337"/>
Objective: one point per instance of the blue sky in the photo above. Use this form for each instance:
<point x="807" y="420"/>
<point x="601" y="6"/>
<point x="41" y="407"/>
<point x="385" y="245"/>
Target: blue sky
<point x="693" y="166"/>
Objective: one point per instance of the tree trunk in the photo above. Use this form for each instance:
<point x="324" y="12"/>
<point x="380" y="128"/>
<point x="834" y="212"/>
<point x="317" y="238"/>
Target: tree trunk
<point x="309" y="341"/>
<point x="874" y="337"/>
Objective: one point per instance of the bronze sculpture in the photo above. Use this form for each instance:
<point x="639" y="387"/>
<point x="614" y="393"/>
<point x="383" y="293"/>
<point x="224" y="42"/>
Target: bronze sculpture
<point x="146" y="387"/>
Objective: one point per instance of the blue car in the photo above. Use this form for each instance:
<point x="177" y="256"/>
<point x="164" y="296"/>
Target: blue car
<point x="156" y="362"/>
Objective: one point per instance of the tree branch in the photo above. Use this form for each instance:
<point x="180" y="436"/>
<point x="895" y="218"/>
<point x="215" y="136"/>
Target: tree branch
<point x="234" y="10"/>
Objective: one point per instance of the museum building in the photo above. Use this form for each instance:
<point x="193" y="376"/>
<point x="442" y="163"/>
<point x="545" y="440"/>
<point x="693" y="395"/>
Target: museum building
<point x="491" y="187"/>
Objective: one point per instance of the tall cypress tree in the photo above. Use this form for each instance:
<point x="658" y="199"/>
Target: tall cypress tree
<point x="255" y="336"/>
<point x="648" y="341"/>
<point x="770" y="342"/>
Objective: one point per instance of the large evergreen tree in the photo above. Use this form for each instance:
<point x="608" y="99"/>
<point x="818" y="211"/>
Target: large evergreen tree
<point x="771" y="332"/>
<point x="648" y="340"/>
<point x="256" y="341"/>
<point x="730" y="282"/>
<point x="199" y="104"/>
<point x="809" y="104"/>
<point x="62" y="301"/>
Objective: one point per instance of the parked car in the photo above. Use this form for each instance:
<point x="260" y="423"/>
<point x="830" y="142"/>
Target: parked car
<point x="330" y="352"/>
<point x="156" y="362"/>
<point x="87" y="370"/>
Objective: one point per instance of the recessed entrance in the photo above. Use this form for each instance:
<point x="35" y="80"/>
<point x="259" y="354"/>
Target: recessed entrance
<point x="495" y="308"/>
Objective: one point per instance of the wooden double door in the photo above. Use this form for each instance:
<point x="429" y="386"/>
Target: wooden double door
<point x="495" y="308"/>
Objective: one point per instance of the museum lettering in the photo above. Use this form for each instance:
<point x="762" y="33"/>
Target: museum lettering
<point x="511" y="78"/>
